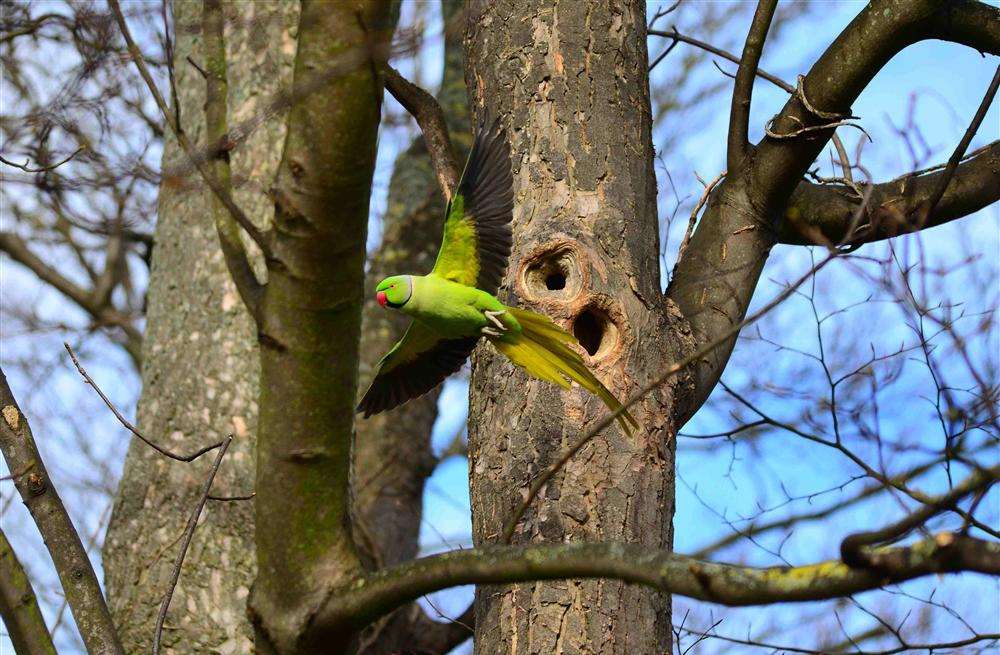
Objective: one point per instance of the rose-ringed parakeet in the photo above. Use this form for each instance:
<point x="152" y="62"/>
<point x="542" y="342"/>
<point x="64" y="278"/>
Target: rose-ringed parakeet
<point x="453" y="307"/>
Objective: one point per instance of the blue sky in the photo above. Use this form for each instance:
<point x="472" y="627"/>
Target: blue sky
<point x="949" y="82"/>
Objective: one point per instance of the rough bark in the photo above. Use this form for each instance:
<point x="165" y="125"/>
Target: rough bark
<point x="569" y="81"/>
<point x="200" y="360"/>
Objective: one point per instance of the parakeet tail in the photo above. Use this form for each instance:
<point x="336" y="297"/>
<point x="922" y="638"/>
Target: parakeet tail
<point x="541" y="350"/>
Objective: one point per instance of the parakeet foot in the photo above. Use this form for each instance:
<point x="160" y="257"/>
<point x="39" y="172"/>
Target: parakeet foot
<point x="491" y="332"/>
<point x="492" y="317"/>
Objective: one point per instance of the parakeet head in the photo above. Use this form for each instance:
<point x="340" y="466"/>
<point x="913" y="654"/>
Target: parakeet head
<point x="394" y="291"/>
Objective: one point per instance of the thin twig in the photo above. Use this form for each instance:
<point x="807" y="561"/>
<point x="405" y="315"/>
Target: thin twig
<point x="811" y="128"/>
<point x="249" y="496"/>
<point x="188" y="535"/>
<point x="694" y="214"/>
<point x="128" y="426"/>
<point x="16" y="474"/>
<point x="27" y="169"/>
<point x="963" y="144"/>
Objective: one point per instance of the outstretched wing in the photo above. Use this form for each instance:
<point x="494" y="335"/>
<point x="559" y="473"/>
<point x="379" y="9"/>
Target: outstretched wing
<point x="415" y="365"/>
<point x="477" y="236"/>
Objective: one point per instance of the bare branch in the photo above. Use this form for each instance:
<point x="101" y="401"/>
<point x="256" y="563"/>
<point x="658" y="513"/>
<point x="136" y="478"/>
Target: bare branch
<point x="963" y="144"/>
<point x="19" y="606"/>
<point x="79" y="582"/>
<point x="370" y="596"/>
<point x="210" y="179"/>
<point x="430" y="117"/>
<point x="131" y="428"/>
<point x="216" y="93"/>
<point x="188" y="535"/>
<point x="103" y="314"/>
<point x="739" y="113"/>
<point x="896" y="207"/>
<point x="848" y="65"/>
<point x="41" y="169"/>
<point x="851" y="547"/>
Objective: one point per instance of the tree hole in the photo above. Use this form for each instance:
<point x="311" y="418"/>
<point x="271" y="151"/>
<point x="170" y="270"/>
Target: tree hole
<point x="555" y="281"/>
<point x="595" y="331"/>
<point x="551" y="273"/>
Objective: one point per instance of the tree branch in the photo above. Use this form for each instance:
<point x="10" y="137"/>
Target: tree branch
<point x="103" y="314"/>
<point x="430" y="117"/>
<point x="192" y="524"/>
<point x="370" y="596"/>
<point x="19" y="606"/>
<point x="79" y="582"/>
<point x="963" y="144"/>
<point x="896" y="207"/>
<point x="851" y="547"/>
<point x="216" y="129"/>
<point x="879" y="32"/>
<point x="739" y="113"/>
<point x="714" y="283"/>
<point x="131" y="428"/>
<point x="196" y="159"/>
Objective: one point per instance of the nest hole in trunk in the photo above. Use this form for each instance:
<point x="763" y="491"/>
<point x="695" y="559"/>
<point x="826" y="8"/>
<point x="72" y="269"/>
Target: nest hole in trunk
<point x="553" y="273"/>
<point x="595" y="331"/>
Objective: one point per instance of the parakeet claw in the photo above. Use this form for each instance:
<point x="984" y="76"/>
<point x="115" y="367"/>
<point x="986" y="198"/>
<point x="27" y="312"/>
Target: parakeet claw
<point x="491" y="332"/>
<point x="492" y="317"/>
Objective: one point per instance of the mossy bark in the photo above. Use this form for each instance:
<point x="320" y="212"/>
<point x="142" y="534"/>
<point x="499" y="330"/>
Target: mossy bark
<point x="200" y="367"/>
<point x="569" y="80"/>
<point x="310" y="323"/>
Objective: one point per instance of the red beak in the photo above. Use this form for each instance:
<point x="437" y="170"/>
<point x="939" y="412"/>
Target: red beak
<point x="380" y="296"/>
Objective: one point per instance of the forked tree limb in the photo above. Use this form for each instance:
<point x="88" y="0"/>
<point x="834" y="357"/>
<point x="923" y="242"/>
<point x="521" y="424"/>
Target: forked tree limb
<point x="739" y="113"/>
<point x="880" y="31"/>
<point x="714" y="283"/>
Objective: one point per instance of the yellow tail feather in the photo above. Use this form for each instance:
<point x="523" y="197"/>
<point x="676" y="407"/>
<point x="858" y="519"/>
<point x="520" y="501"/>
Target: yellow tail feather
<point x="541" y="350"/>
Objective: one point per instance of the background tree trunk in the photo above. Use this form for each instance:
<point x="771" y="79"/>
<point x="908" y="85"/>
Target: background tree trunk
<point x="569" y="81"/>
<point x="392" y="455"/>
<point x="392" y="451"/>
<point x="200" y="366"/>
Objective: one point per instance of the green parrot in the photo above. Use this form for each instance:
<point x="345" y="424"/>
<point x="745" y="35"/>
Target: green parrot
<point x="453" y="307"/>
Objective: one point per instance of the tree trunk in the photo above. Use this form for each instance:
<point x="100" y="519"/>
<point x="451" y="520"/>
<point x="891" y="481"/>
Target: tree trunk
<point x="200" y="366"/>
<point x="569" y="82"/>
